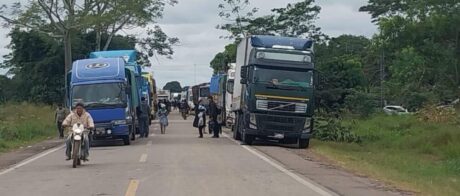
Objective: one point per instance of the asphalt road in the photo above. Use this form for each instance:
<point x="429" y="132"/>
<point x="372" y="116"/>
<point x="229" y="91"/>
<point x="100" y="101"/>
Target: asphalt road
<point x="175" y="164"/>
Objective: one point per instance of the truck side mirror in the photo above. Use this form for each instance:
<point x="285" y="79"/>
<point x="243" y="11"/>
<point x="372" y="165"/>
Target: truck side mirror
<point x="244" y="74"/>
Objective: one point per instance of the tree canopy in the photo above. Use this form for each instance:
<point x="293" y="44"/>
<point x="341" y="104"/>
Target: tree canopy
<point x="173" y="87"/>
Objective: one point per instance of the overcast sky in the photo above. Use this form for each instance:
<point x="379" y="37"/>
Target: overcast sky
<point x="194" y="21"/>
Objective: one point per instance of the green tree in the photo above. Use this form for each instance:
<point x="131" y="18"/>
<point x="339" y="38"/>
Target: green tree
<point x="36" y="60"/>
<point x="108" y="17"/>
<point x="421" y="47"/>
<point x="341" y="63"/>
<point x="222" y="59"/>
<point x="173" y="87"/>
<point x="295" y="20"/>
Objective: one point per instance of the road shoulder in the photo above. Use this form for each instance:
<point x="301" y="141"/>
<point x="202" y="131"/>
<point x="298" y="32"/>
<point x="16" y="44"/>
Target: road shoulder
<point x="323" y="171"/>
<point x="9" y="159"/>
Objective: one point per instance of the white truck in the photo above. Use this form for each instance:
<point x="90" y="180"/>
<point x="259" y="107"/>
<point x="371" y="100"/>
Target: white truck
<point x="230" y="116"/>
<point x="164" y="95"/>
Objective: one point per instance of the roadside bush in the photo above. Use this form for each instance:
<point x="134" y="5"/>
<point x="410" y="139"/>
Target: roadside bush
<point x="331" y="129"/>
<point x="24" y="123"/>
<point x="431" y="113"/>
<point x="361" y="103"/>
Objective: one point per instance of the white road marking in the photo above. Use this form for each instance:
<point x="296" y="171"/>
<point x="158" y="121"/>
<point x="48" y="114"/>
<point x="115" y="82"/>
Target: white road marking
<point x="321" y="191"/>
<point x="31" y="159"/>
<point x="143" y="158"/>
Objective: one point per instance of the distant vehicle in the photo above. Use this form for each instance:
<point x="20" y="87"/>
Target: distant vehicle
<point x="230" y="116"/>
<point x="202" y="92"/>
<point x="190" y="100"/>
<point x="395" y="110"/>
<point x="152" y="94"/>
<point x="217" y="90"/>
<point x="164" y="95"/>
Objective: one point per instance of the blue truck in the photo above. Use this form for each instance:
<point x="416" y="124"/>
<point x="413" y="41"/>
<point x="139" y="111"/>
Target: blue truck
<point x="139" y="82"/>
<point x="103" y="85"/>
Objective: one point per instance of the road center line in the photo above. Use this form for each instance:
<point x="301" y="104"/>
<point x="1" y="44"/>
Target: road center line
<point x="31" y="159"/>
<point x="132" y="188"/>
<point x="143" y="158"/>
<point x="296" y="177"/>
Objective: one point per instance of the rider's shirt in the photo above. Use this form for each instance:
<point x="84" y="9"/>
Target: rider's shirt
<point x="84" y="119"/>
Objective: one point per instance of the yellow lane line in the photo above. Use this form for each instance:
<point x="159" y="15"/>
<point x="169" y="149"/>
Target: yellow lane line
<point x="132" y="188"/>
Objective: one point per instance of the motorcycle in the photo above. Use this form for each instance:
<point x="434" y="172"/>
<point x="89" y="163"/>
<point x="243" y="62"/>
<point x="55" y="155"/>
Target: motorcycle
<point x="78" y="136"/>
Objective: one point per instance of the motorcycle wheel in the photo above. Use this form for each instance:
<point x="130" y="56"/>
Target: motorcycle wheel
<point x="75" y="153"/>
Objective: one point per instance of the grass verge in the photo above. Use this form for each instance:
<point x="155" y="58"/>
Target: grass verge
<point x="24" y="124"/>
<point x="401" y="150"/>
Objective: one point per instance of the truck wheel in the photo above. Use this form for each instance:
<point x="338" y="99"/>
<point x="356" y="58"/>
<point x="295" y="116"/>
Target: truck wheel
<point x="133" y="133"/>
<point x="236" y="133"/>
<point x="236" y="129"/>
<point x="248" y="139"/>
<point x="126" y="140"/>
<point x="304" y="143"/>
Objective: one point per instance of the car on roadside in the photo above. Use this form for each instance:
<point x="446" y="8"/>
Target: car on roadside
<point x="395" y="110"/>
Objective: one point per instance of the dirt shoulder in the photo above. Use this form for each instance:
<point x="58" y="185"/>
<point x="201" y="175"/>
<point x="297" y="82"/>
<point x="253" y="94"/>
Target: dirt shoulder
<point x="9" y="159"/>
<point x="324" y="171"/>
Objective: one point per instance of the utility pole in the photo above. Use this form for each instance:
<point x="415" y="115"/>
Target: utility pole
<point x="382" y="76"/>
<point x="194" y="68"/>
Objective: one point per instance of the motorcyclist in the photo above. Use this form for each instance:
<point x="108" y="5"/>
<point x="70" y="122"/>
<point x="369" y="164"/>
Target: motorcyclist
<point x="79" y="115"/>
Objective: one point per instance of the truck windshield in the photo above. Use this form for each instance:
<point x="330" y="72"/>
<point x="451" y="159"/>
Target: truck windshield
<point x="99" y="95"/>
<point x="282" y="77"/>
<point x="204" y="92"/>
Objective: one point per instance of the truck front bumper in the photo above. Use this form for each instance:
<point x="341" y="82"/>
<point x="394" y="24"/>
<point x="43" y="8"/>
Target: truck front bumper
<point x="110" y="131"/>
<point x="278" y="135"/>
<point x="279" y="127"/>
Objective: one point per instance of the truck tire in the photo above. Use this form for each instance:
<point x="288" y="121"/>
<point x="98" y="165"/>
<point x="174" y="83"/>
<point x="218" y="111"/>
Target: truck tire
<point x="248" y="139"/>
<point x="304" y="143"/>
<point x="237" y="128"/>
<point x="132" y="132"/>
<point x="236" y="133"/>
<point x="126" y="140"/>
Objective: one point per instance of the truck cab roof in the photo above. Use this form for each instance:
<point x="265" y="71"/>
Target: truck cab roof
<point x="266" y="41"/>
<point x="128" y="55"/>
<point x="100" y="69"/>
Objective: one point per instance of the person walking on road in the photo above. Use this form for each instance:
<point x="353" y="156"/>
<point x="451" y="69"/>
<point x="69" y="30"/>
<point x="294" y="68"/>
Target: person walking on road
<point x="184" y="108"/>
<point x="78" y="116"/>
<point x="59" y="117"/>
<point x="213" y="113"/>
<point x="200" y="118"/>
<point x="144" y="114"/>
<point x="163" y="117"/>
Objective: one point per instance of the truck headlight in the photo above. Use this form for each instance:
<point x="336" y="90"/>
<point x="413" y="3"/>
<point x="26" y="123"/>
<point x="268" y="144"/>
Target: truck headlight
<point x="119" y="122"/>
<point x="252" y="121"/>
<point x="307" y="125"/>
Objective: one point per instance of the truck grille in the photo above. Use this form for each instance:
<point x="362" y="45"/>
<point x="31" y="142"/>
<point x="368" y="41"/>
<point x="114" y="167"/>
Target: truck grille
<point x="281" y="106"/>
